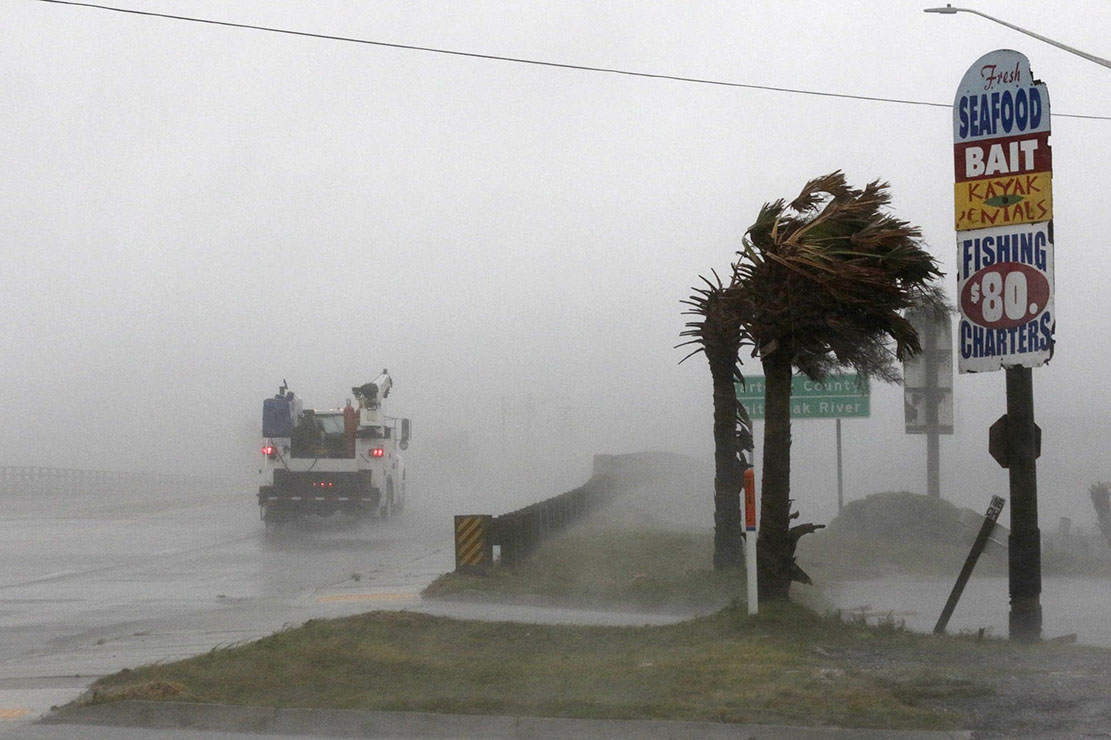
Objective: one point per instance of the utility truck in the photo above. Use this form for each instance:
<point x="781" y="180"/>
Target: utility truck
<point x="321" y="462"/>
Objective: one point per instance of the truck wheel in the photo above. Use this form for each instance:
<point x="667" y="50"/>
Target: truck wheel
<point x="385" y="511"/>
<point x="270" y="518"/>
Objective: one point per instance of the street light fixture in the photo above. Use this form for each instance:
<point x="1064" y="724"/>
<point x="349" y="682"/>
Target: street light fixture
<point x="950" y="10"/>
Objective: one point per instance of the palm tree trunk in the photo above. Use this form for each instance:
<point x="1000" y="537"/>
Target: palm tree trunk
<point x="728" y="545"/>
<point x="775" y="548"/>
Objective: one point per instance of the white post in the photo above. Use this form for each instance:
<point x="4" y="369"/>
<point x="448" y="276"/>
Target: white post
<point x="750" y="540"/>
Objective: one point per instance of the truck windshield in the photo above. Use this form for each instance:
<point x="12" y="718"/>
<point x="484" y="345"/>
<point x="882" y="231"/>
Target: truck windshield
<point x="332" y="423"/>
<point x="319" y="435"/>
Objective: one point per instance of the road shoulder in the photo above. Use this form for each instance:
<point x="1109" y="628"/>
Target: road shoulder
<point x="342" y="723"/>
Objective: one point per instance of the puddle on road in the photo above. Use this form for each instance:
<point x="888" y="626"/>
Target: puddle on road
<point x="1069" y="605"/>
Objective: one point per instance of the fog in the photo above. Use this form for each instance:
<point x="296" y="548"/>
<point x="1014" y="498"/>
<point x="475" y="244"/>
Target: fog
<point x="190" y="214"/>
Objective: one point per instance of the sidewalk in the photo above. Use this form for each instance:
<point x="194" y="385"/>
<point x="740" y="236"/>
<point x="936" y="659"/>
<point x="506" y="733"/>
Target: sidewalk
<point x="201" y="719"/>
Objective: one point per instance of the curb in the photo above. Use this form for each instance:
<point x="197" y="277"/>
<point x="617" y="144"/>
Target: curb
<point x="425" y="725"/>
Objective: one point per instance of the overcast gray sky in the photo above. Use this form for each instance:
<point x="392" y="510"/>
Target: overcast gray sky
<point x="190" y="214"/>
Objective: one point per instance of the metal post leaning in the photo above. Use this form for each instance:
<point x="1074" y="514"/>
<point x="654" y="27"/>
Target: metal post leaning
<point x="474" y="549"/>
<point x="978" y="546"/>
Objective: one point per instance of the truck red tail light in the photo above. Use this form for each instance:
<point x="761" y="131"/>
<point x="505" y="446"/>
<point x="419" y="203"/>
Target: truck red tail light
<point x="378" y="452"/>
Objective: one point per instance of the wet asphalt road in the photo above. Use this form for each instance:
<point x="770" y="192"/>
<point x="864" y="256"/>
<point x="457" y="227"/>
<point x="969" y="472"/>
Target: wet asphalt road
<point x="90" y="586"/>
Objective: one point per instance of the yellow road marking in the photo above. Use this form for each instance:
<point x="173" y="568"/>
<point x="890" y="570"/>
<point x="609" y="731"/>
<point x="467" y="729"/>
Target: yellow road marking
<point x="366" y="597"/>
<point x="13" y="713"/>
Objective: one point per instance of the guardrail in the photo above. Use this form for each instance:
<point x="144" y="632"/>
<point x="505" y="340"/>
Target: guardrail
<point x="518" y="533"/>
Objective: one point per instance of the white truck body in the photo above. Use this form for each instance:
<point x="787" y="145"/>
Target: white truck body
<point x="339" y="460"/>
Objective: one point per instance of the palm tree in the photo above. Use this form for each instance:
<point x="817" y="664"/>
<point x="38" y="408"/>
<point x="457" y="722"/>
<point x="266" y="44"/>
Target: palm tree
<point x="717" y="337"/>
<point x="819" y="285"/>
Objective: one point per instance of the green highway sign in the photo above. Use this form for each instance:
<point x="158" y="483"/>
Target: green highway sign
<point x="836" y="397"/>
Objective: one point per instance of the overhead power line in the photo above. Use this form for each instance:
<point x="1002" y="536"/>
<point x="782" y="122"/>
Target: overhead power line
<point x="534" y="62"/>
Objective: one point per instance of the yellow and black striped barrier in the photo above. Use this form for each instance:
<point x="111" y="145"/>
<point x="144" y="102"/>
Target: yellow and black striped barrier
<point x="474" y="548"/>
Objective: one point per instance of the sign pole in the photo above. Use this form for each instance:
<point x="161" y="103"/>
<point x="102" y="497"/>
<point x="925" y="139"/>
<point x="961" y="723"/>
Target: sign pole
<point x="840" y="479"/>
<point x="933" y="431"/>
<point x="1024" y="561"/>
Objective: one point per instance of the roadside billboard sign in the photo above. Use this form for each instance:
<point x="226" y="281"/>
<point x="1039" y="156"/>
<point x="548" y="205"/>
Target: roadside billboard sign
<point x="1003" y="213"/>
<point x="916" y="414"/>
<point x="928" y="376"/>
<point x="836" y="397"/>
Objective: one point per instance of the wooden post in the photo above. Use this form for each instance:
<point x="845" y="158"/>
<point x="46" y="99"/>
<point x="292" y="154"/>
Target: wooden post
<point x="1025" y="547"/>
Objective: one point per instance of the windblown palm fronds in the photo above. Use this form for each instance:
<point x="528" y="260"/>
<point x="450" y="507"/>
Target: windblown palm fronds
<point x="820" y="283"/>
<point x="824" y="278"/>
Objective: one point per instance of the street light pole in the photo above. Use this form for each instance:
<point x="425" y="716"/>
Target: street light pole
<point x="950" y="10"/>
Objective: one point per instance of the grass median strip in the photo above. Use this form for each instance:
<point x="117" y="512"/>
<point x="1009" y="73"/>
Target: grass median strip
<point x="786" y="667"/>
